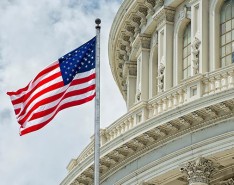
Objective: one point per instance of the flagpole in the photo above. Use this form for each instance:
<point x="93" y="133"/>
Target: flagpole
<point x="97" y="106"/>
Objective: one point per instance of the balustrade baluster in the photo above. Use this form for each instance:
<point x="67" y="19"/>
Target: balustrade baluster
<point x="206" y="88"/>
<point x="230" y="79"/>
<point x="155" y="105"/>
<point x="212" y="85"/>
<point x="224" y="81"/>
<point x="217" y="83"/>
<point x="160" y="107"/>
<point x="175" y="99"/>
<point x="165" y="101"/>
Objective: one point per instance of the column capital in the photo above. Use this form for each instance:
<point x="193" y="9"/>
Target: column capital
<point x="164" y="15"/>
<point x="129" y="68"/>
<point x="199" y="170"/>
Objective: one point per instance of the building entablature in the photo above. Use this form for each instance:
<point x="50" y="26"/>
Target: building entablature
<point x="159" y="121"/>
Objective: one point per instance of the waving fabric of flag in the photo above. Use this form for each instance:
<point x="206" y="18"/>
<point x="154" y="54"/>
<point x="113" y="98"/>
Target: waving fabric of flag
<point x="68" y="82"/>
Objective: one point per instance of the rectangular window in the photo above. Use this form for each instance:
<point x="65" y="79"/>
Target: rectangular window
<point x="193" y="91"/>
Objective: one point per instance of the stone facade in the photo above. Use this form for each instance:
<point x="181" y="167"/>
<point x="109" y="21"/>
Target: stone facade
<point x="173" y="63"/>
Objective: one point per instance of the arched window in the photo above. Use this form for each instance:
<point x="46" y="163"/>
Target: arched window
<point x="227" y="33"/>
<point x="186" y="68"/>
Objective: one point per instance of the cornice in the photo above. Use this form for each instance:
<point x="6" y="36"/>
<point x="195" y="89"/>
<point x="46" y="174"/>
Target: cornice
<point x="172" y="161"/>
<point x="131" y="18"/>
<point x="164" y="119"/>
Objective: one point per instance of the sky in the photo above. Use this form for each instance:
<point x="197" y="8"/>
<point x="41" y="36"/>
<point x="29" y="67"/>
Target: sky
<point x="34" y="34"/>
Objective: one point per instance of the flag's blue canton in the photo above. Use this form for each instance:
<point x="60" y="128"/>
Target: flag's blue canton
<point x="79" y="60"/>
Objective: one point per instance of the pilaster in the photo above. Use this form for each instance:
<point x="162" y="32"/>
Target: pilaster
<point x="153" y="66"/>
<point x="142" y="43"/>
<point x="165" y="26"/>
<point x="130" y="72"/>
<point x="199" y="36"/>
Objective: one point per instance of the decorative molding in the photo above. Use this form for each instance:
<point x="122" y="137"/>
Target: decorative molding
<point x="210" y="112"/>
<point x="161" y="74"/>
<point x="130" y="68"/>
<point x="199" y="170"/>
<point x="184" y="122"/>
<point x="227" y="182"/>
<point x="163" y="16"/>
<point x="197" y="117"/>
<point x="159" y="4"/>
<point x="195" y="50"/>
<point x="142" y="42"/>
<point x="150" y="4"/>
<point x="185" y="13"/>
<point x="142" y="12"/>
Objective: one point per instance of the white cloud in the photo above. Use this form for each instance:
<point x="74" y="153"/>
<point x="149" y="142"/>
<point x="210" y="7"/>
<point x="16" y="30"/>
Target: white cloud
<point x="33" y="34"/>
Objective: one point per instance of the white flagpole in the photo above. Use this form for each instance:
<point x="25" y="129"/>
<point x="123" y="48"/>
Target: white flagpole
<point x="97" y="106"/>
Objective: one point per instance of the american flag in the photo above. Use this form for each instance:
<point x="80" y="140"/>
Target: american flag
<point x="68" y="82"/>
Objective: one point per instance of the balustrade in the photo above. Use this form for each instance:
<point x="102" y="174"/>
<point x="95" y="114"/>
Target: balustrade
<point x="210" y="83"/>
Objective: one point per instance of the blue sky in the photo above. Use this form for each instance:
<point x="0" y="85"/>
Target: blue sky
<point x="33" y="34"/>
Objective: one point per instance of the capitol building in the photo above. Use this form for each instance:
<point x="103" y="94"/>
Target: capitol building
<point x="173" y="63"/>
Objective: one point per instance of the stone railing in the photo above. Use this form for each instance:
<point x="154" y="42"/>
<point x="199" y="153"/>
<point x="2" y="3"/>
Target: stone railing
<point x="188" y="90"/>
<point x="219" y="80"/>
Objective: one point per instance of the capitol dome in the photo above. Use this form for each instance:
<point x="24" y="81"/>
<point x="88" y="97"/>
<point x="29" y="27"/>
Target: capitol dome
<point x="173" y="63"/>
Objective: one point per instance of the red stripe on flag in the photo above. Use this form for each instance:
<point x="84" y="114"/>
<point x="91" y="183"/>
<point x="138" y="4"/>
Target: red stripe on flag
<point x="51" y="98"/>
<point x="45" y="101"/>
<point x="64" y="106"/>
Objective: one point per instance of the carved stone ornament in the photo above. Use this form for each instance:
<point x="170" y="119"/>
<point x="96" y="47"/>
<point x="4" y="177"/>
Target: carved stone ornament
<point x="163" y="16"/>
<point x="159" y="3"/>
<point x="195" y="50"/>
<point x="161" y="75"/>
<point x="129" y="68"/>
<point x="185" y="13"/>
<point x="199" y="170"/>
<point x="150" y="4"/>
<point x="142" y="42"/>
<point x="227" y="182"/>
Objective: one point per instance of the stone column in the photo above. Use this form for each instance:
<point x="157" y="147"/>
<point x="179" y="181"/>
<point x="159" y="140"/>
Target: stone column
<point x="199" y="171"/>
<point x="165" y="28"/>
<point x="130" y="70"/>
